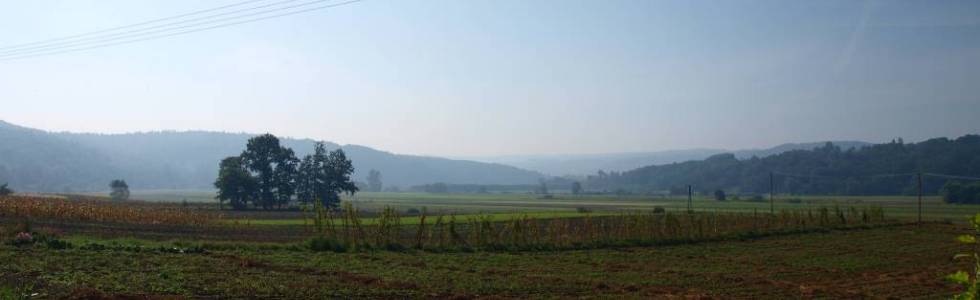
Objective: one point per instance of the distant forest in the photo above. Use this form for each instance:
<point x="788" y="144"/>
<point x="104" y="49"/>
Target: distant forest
<point x="882" y="169"/>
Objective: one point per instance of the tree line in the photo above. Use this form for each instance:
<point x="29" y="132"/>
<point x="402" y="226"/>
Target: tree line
<point x="268" y="175"/>
<point x="826" y="170"/>
<point x="961" y="192"/>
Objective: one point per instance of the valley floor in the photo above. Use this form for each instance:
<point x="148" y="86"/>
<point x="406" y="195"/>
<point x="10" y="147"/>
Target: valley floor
<point x="902" y="262"/>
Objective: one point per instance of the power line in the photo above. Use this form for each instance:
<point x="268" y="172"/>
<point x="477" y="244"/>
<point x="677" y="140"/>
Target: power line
<point x="802" y="175"/>
<point x="129" y="26"/>
<point x="136" y="32"/>
<point x="951" y="176"/>
<point x="109" y="38"/>
<point x="152" y="37"/>
<point x="885" y="175"/>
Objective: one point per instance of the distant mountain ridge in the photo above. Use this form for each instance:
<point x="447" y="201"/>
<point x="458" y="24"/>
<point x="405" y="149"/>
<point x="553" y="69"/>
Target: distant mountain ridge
<point x="582" y="164"/>
<point x="37" y="160"/>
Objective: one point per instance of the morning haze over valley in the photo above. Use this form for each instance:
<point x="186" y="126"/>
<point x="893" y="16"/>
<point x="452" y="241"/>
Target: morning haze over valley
<point x="428" y="149"/>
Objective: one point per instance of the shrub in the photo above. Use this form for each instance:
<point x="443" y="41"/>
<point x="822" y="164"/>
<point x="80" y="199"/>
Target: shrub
<point x="963" y="278"/>
<point x="413" y="211"/>
<point x="957" y="192"/>
<point x="757" y="198"/>
<point x="720" y="195"/>
<point x="795" y="200"/>
<point x="57" y="244"/>
<point x="583" y="210"/>
<point x="5" y="191"/>
<point x="659" y="210"/>
<point x="320" y="244"/>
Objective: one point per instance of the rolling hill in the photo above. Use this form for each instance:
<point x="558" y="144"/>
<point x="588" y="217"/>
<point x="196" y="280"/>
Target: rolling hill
<point x="582" y="164"/>
<point x="881" y="169"/>
<point x="37" y="160"/>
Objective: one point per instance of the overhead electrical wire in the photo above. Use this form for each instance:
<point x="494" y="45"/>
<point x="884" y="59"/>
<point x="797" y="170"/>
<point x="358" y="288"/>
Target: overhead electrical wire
<point x="129" y="26"/>
<point x="844" y="176"/>
<point x="165" y="27"/>
<point x="951" y="176"/>
<point x="168" y="32"/>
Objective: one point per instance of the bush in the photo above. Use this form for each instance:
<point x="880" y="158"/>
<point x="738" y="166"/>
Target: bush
<point x="720" y="195"/>
<point x="5" y="191"/>
<point x="757" y="198"/>
<point x="659" y="210"/>
<point x="320" y="244"/>
<point x="583" y="209"/>
<point x="961" y="193"/>
<point x="58" y="244"/>
<point x="413" y="211"/>
<point x="795" y="200"/>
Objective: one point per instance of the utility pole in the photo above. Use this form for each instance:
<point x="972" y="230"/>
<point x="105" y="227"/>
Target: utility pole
<point x="690" y="205"/>
<point x="920" y="197"/>
<point x="772" y="191"/>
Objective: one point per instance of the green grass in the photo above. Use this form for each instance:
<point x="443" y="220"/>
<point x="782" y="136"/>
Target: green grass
<point x="415" y="220"/>
<point x="895" y="206"/>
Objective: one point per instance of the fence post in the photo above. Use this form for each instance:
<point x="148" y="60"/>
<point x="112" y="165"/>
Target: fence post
<point x="920" y="197"/>
<point x="772" y="191"/>
<point x="690" y="204"/>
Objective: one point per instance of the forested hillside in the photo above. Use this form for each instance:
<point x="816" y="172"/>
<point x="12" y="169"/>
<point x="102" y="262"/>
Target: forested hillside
<point x="872" y="170"/>
<point x="35" y="160"/>
<point x="582" y="164"/>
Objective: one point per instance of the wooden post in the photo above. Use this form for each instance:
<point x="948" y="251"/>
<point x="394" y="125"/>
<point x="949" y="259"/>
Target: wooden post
<point x="772" y="191"/>
<point x="920" y="197"/>
<point x="690" y="204"/>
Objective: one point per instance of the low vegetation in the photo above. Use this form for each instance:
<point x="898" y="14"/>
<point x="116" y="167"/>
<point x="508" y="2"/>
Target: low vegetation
<point x="93" y="210"/>
<point x="344" y="229"/>
<point x="901" y="262"/>
<point x="970" y="283"/>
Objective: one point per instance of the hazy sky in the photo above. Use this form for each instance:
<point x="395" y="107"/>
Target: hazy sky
<point x="482" y="77"/>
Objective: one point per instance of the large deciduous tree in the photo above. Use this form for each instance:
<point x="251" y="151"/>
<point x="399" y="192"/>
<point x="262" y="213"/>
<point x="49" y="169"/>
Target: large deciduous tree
<point x="274" y="167"/>
<point x="306" y="180"/>
<point x="324" y="176"/>
<point x="269" y="175"/>
<point x="339" y="170"/>
<point x="284" y="176"/>
<point x="234" y="183"/>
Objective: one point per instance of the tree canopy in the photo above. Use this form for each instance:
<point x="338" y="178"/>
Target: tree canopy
<point x="120" y="190"/>
<point x="268" y="175"/>
<point x="5" y="191"/>
<point x="961" y="193"/>
<point x="234" y="183"/>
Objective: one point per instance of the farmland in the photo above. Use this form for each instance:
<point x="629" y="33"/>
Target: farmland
<point x="359" y="149"/>
<point x="904" y="262"/>
<point x="509" y="246"/>
<point x="905" y="206"/>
